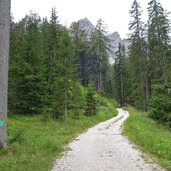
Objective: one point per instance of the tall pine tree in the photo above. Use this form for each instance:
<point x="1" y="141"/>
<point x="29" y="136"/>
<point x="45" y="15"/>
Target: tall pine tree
<point x="137" y="67"/>
<point x="80" y="42"/>
<point x="25" y="96"/>
<point x="99" y="56"/>
<point x="158" y="38"/>
<point x="160" y="61"/>
<point x="66" y="74"/>
<point x="120" y="74"/>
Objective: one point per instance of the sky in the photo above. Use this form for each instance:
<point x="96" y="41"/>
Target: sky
<point x="114" y="13"/>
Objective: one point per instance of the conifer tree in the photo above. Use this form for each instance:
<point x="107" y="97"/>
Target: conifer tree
<point x="99" y="57"/>
<point x="91" y="102"/>
<point x="31" y="87"/>
<point x="17" y="53"/>
<point x="78" y="103"/>
<point x="120" y="74"/>
<point x="50" y="33"/>
<point x="80" y="42"/>
<point x="158" y="38"/>
<point x="66" y="74"/>
<point x="110" y="89"/>
<point x="159" y="62"/>
<point x="26" y="63"/>
<point x="160" y="105"/>
<point x="138" y="87"/>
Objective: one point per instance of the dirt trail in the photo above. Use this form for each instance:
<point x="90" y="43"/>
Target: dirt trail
<point x="104" y="148"/>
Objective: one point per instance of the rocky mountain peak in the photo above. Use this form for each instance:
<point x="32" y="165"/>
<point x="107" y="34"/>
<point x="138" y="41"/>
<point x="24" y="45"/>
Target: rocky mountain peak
<point x="114" y="37"/>
<point x="87" y="25"/>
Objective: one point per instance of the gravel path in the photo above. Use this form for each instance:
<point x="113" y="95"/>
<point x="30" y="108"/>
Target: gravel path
<point x="104" y="148"/>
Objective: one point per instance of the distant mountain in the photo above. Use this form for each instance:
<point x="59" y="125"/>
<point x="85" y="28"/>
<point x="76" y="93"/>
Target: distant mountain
<point x="114" y="37"/>
<point x="87" y="26"/>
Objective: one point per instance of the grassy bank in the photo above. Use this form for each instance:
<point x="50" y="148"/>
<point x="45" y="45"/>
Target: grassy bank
<point x="150" y="136"/>
<point x="36" y="143"/>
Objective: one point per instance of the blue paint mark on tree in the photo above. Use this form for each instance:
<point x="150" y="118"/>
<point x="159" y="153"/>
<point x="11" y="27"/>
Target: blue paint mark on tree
<point x="2" y="120"/>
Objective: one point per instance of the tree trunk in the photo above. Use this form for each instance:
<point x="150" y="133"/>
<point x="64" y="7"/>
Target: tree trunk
<point x="100" y="79"/>
<point x="147" y="95"/>
<point x="122" y="91"/>
<point x="65" y="110"/>
<point x="4" y="55"/>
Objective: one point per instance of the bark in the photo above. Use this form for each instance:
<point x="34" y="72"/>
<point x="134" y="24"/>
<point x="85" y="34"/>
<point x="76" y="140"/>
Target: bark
<point x="4" y="56"/>
<point x="65" y="110"/>
<point x="100" y="79"/>
<point x="122" y="91"/>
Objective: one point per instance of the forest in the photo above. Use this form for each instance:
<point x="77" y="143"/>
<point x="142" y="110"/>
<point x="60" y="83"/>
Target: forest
<point x="50" y="64"/>
<point x="61" y="73"/>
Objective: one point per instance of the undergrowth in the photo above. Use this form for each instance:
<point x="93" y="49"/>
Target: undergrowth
<point x="150" y="136"/>
<point x="35" y="143"/>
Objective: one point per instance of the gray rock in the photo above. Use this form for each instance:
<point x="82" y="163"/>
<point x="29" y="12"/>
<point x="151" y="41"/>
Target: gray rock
<point x="87" y="26"/>
<point x="114" y="37"/>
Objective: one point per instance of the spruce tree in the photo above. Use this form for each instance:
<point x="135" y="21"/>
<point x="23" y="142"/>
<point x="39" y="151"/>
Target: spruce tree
<point x="78" y="101"/>
<point x="17" y="53"/>
<point x="158" y="38"/>
<point x="66" y="74"/>
<point x="160" y="106"/>
<point x="91" y="102"/>
<point x="26" y="62"/>
<point x="99" y="56"/>
<point x="120" y="74"/>
<point x="137" y="66"/>
<point x="50" y="37"/>
<point x="159" y="62"/>
<point x="31" y="88"/>
<point x="80" y="42"/>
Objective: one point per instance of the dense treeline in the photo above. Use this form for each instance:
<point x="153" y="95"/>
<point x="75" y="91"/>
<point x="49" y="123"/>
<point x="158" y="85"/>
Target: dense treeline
<point x="147" y="69"/>
<point x="49" y="64"/>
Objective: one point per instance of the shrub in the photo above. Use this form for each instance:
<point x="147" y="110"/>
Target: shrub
<point x="160" y="104"/>
<point x="91" y="102"/>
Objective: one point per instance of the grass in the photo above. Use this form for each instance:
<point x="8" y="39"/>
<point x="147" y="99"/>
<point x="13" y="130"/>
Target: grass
<point x="150" y="136"/>
<point x="35" y="144"/>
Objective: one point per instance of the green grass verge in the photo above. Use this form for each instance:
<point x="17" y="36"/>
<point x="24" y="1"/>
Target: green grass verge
<point x="150" y="136"/>
<point x="35" y="143"/>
